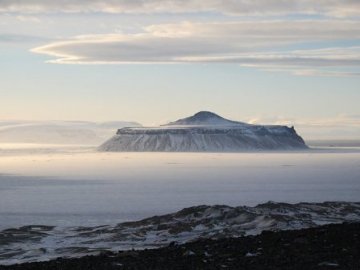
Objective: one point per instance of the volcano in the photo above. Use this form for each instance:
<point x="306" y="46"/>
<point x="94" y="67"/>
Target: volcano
<point x="204" y="132"/>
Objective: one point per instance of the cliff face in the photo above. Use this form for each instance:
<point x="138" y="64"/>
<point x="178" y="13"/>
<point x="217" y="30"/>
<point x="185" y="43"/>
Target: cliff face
<point x="204" y="132"/>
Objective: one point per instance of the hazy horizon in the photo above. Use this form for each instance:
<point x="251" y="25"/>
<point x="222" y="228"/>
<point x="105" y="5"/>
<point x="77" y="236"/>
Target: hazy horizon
<point x="310" y="132"/>
<point x="264" y="62"/>
<point x="83" y="83"/>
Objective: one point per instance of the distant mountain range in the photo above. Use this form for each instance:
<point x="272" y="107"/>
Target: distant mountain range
<point x="59" y="132"/>
<point x="204" y="132"/>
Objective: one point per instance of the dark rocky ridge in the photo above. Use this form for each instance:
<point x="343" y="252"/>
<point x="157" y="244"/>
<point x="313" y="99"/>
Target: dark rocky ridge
<point x="36" y="243"/>
<point x="325" y="247"/>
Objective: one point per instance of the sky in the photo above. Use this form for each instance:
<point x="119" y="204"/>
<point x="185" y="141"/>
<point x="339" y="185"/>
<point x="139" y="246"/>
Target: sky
<point x="264" y="61"/>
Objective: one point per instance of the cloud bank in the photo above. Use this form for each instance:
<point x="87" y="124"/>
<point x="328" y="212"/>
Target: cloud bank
<point x="251" y="43"/>
<point x="342" y="126"/>
<point x="341" y="120"/>
<point x="339" y="8"/>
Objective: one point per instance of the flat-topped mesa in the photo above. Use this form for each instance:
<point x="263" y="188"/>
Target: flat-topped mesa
<point x="204" y="132"/>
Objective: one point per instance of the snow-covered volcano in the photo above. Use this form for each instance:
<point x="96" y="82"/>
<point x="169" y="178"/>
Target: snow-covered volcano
<point x="204" y="132"/>
<point x="204" y="118"/>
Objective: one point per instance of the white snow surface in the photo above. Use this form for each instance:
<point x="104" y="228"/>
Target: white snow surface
<point x="205" y="118"/>
<point x="204" y="132"/>
<point x="47" y="195"/>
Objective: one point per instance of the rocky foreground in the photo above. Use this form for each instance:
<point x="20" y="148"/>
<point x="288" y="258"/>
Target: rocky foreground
<point x="40" y="243"/>
<point x="335" y="246"/>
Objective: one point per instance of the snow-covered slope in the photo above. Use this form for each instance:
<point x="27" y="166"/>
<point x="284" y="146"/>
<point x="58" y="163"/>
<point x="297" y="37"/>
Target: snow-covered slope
<point x="34" y="243"/>
<point x="205" y="132"/>
<point x="204" y="118"/>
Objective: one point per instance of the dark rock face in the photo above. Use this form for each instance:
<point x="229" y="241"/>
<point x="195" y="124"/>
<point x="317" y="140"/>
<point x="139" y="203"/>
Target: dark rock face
<point x="322" y="248"/>
<point x="205" y="132"/>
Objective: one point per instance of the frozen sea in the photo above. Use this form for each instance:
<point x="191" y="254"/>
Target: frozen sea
<point x="72" y="186"/>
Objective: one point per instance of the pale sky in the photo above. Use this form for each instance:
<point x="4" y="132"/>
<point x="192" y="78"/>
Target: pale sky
<point x="265" y="61"/>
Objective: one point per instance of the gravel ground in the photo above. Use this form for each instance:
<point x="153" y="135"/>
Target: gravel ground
<point x="335" y="246"/>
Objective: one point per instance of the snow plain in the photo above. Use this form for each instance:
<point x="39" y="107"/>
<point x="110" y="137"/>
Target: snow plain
<point x="72" y="186"/>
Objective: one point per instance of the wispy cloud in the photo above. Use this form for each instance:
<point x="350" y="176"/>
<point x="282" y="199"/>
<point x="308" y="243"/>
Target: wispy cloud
<point x="14" y="38"/>
<point x="341" y="120"/>
<point x="325" y="73"/>
<point x="251" y="43"/>
<point x="342" y="126"/>
<point x="339" y="8"/>
<point x="27" y="18"/>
